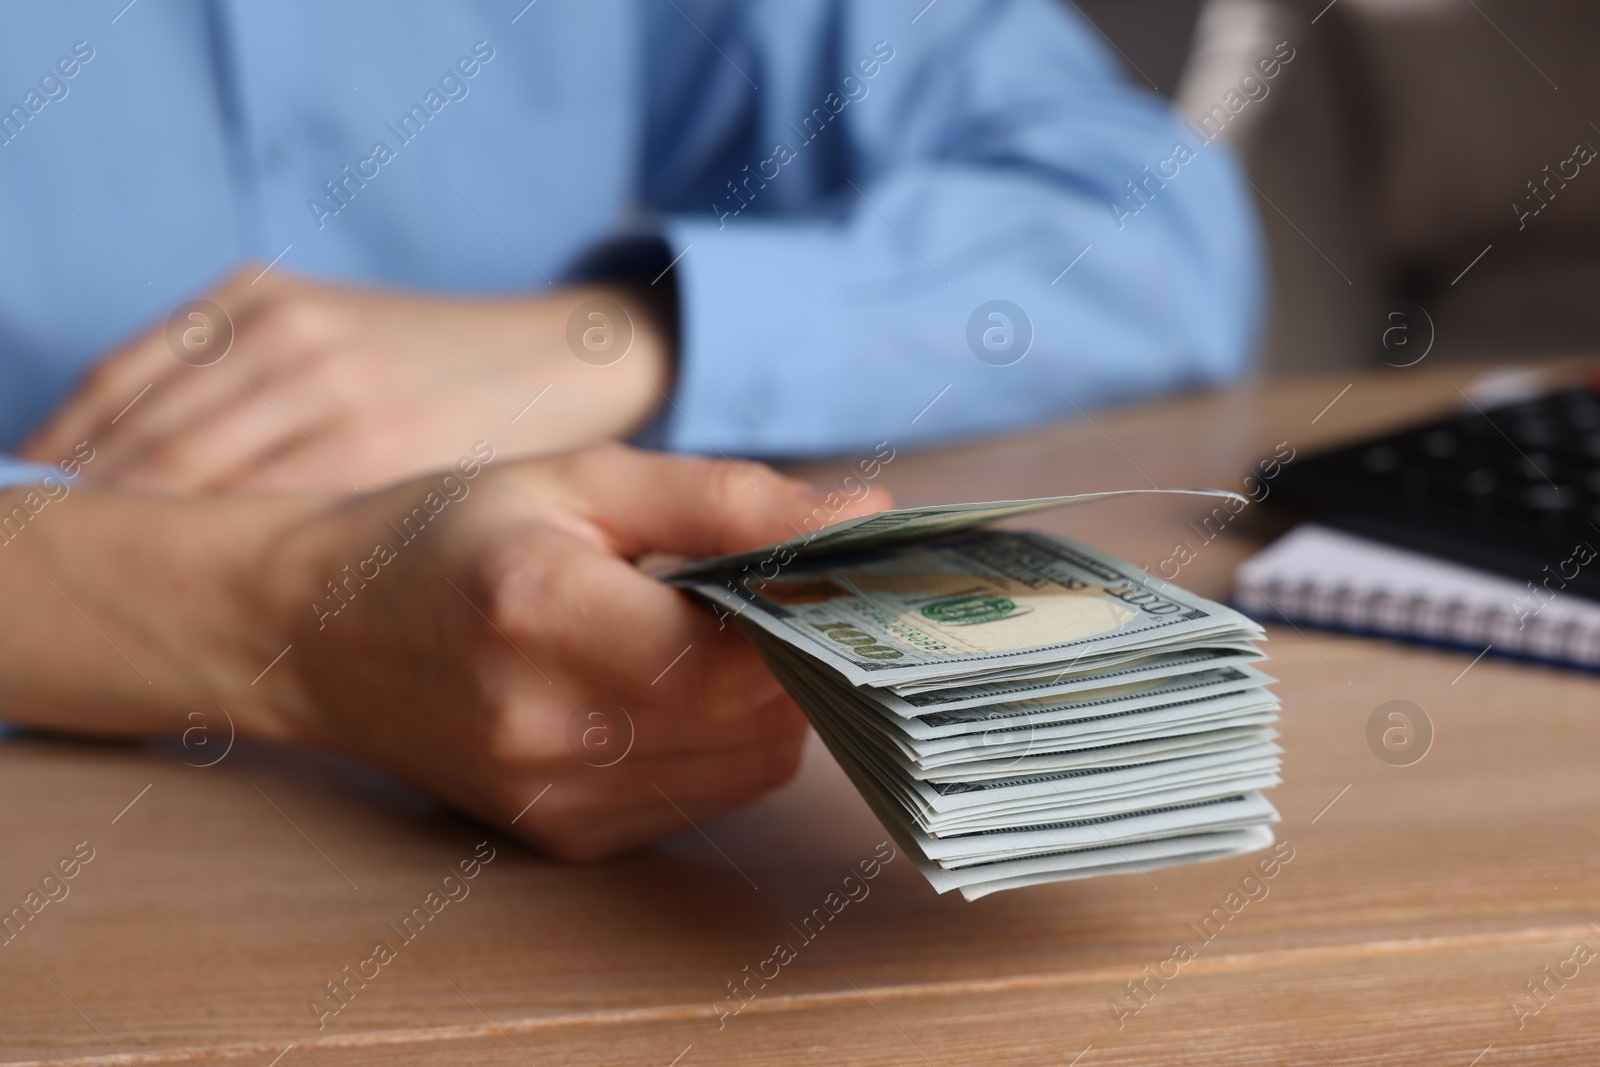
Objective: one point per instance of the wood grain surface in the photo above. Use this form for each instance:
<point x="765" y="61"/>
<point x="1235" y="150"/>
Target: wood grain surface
<point x="1418" y="902"/>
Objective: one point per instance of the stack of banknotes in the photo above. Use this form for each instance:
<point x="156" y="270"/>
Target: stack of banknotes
<point x="1015" y="707"/>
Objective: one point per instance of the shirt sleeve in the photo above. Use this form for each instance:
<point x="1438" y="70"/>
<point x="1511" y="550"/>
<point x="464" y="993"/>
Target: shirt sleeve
<point x="952" y="223"/>
<point x="17" y="472"/>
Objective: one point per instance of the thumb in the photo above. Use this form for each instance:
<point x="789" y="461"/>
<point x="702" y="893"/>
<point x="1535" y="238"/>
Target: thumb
<point x="647" y="502"/>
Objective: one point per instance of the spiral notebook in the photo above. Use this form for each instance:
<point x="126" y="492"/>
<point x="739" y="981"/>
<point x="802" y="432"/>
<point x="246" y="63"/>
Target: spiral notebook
<point x="1317" y="576"/>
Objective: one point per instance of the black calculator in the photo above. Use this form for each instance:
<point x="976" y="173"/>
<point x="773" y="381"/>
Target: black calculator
<point x="1513" y="489"/>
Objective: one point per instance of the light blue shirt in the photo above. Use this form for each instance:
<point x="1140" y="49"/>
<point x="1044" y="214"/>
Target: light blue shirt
<point x="845" y="187"/>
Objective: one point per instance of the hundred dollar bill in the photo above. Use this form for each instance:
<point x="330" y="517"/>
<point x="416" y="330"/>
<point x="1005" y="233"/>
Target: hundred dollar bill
<point x="1152" y="682"/>
<point x="959" y="606"/>
<point x="1010" y="745"/>
<point x="1008" y="843"/>
<point x="895" y="527"/>
<point x="1036" y="677"/>
<point x="1144" y="825"/>
<point x="1015" y="707"/>
<point x="980" y="880"/>
<point x="924" y="703"/>
<point x="1037" y="711"/>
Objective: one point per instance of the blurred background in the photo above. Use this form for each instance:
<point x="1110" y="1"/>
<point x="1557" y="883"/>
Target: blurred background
<point x="1419" y="166"/>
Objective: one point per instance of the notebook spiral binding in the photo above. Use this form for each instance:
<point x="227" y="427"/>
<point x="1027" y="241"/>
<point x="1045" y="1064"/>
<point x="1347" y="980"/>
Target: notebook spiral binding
<point x="1499" y="629"/>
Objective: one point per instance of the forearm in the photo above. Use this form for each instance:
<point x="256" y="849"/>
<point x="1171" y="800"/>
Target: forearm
<point x="118" y="608"/>
<point x="443" y="630"/>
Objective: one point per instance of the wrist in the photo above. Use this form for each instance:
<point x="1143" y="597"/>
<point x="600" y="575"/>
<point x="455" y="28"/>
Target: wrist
<point x="611" y="356"/>
<point x="649" y="368"/>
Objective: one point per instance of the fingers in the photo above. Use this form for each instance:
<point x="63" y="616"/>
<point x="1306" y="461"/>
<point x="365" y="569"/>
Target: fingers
<point x="104" y="394"/>
<point x="196" y="429"/>
<point x="601" y="731"/>
<point x="603" y="620"/>
<point x="176" y="411"/>
<point x="590" y="813"/>
<point x="297" y="468"/>
<point x="348" y="449"/>
<point x="211" y="449"/>
<point x="146" y="362"/>
<point x="643" y="502"/>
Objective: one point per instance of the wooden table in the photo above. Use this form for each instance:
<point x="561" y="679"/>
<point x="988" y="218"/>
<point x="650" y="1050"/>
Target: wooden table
<point x="1418" y="902"/>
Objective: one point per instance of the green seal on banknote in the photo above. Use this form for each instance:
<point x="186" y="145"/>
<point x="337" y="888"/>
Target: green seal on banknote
<point x="970" y="609"/>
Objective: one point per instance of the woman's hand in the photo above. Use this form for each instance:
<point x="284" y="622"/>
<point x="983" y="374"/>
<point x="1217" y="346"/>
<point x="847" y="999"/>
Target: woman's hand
<point x="470" y="663"/>
<point x="323" y="387"/>
<point x="457" y="631"/>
